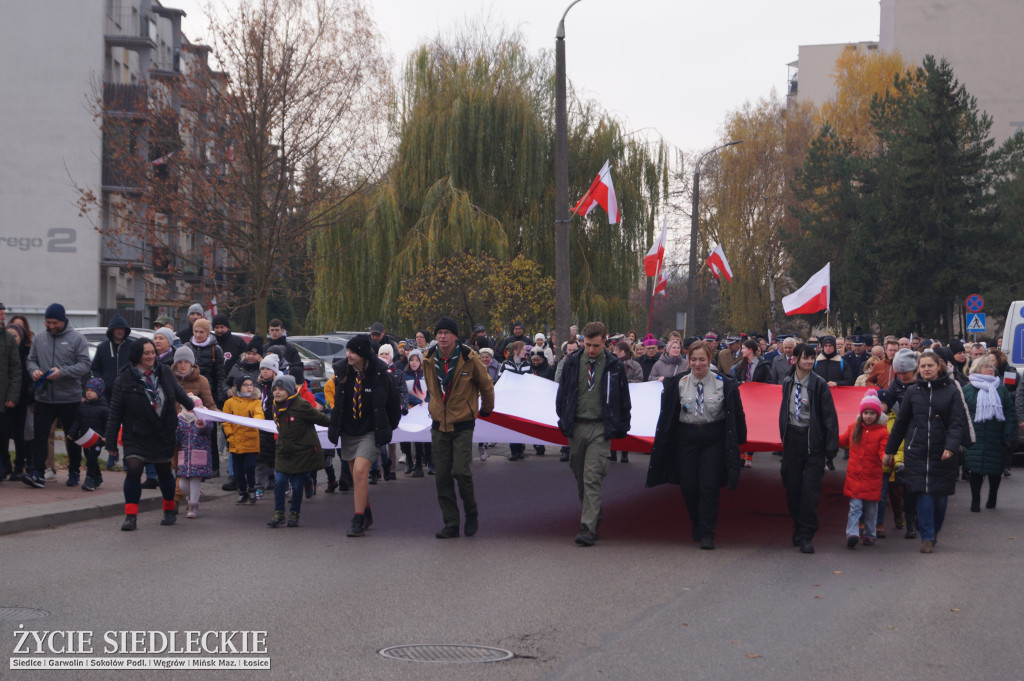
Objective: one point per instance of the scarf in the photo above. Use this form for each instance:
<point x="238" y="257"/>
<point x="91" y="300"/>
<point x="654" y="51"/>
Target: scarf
<point x="280" y="409"/>
<point x="150" y="380"/>
<point x="988" y="406"/>
<point x="209" y="341"/>
<point x="445" y="367"/>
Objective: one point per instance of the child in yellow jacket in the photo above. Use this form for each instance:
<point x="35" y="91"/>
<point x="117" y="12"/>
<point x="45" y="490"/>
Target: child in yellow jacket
<point x="243" y="441"/>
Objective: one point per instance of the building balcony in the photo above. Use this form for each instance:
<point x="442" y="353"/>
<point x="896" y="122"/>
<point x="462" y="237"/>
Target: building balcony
<point x="125" y="100"/>
<point x="131" y="30"/>
<point x="121" y="177"/>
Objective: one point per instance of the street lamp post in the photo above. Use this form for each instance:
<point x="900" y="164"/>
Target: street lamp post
<point x="691" y="308"/>
<point x="562" y="282"/>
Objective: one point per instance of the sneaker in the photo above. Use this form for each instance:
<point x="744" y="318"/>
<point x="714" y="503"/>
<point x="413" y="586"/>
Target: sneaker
<point x="852" y="540"/>
<point x="356" y="528"/>
<point x="927" y="546"/>
<point x="430" y="470"/>
<point x="293" y="519"/>
<point x="111" y="461"/>
<point x="879" y="532"/>
<point x="34" y="480"/>
<point x="447" y="532"/>
<point x="252" y="496"/>
<point x="900" y="522"/>
<point x="747" y="463"/>
<point x="73" y="479"/>
<point x="242" y="498"/>
<point x="51" y="474"/>
<point x="258" y="495"/>
<point x="89" y="485"/>
<point x="98" y="480"/>
<point x="1006" y="472"/>
<point x="585" y="537"/>
<point x="869" y="541"/>
<point x="277" y="520"/>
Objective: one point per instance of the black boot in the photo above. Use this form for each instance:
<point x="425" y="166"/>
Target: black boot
<point x="367" y="518"/>
<point x="129" y="523"/>
<point x="356" y="528"/>
<point x="170" y="517"/>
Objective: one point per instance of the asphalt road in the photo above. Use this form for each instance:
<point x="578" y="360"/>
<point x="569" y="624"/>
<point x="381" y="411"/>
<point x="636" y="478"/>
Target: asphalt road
<point x="644" y="603"/>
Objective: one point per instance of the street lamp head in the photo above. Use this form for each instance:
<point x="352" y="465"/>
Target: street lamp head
<point x="560" y="33"/>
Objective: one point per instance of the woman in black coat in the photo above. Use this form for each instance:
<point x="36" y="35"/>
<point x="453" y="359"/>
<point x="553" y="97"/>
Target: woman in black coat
<point x="142" y="401"/>
<point x="933" y="421"/>
<point x="698" y="438"/>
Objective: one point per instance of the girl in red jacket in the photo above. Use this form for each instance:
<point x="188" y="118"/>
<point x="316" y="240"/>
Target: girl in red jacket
<point x="866" y="439"/>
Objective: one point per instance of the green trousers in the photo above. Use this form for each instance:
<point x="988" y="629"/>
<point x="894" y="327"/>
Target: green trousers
<point x="452" y="454"/>
<point x="588" y="458"/>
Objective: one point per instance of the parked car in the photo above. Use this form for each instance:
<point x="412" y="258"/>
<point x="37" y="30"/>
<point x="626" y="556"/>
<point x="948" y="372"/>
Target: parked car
<point x="328" y="348"/>
<point x="316" y="370"/>
<point x="94" y="335"/>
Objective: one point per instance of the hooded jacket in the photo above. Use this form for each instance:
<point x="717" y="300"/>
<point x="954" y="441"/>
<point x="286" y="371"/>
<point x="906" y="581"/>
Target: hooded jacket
<point x="111" y="357"/>
<point x="195" y="383"/>
<point x="864" y="470"/>
<point x="470" y="385"/>
<point x="932" y="419"/>
<point x="664" y="461"/>
<point x="543" y="370"/>
<point x="298" y="444"/>
<point x="68" y="351"/>
<point x="243" y="439"/>
<point x="616" y="406"/>
<point x="834" y="368"/>
<point x="233" y="348"/>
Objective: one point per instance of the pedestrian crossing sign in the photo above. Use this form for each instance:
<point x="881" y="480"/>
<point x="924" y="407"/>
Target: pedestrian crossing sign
<point x="976" y="322"/>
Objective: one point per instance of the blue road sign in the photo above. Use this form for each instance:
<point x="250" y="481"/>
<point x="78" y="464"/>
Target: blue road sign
<point x="974" y="303"/>
<point x="976" y="323"/>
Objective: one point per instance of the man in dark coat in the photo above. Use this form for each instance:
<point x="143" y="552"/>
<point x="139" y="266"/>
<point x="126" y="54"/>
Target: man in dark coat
<point x="195" y="311"/>
<point x="232" y="346"/>
<point x="278" y="335"/>
<point x="112" y="354"/>
<point x="518" y="334"/>
<point x="10" y="387"/>
<point x="594" y="408"/>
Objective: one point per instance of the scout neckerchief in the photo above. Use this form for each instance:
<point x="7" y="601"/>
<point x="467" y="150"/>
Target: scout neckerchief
<point x="700" y="398"/>
<point x="149" y="381"/>
<point x="279" y="410"/>
<point x="445" y="367"/>
<point x="591" y="373"/>
<point x="357" y="397"/>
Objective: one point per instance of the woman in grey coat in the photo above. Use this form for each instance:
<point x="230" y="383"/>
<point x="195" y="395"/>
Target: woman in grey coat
<point x="672" y="362"/>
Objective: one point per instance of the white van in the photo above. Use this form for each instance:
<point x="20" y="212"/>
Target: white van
<point x="1013" y="336"/>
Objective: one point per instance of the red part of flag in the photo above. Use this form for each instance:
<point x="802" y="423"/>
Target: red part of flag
<point x="718" y="264"/>
<point x="654" y="257"/>
<point x="601" y="193"/>
<point x="814" y="296"/>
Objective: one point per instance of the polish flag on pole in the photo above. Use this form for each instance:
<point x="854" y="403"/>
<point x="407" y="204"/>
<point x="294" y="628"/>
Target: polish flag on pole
<point x="718" y="265"/>
<point x="814" y="296"/>
<point x="662" y="282"/>
<point x="211" y="309"/>
<point x="652" y="261"/>
<point x="90" y="439"/>
<point x="601" y="193"/>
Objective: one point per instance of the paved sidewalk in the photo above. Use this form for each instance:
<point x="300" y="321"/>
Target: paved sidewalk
<point x="24" y="508"/>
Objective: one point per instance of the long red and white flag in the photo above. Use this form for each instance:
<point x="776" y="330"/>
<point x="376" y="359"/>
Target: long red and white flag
<point x="718" y="264"/>
<point x="662" y="283"/>
<point x="601" y="193"/>
<point x="814" y="296"/>
<point x="90" y="439"/>
<point x="654" y="257"/>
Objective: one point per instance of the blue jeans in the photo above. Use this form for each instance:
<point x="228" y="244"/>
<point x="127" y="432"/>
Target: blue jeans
<point x="882" y="503"/>
<point x="931" y="512"/>
<point x="869" y="509"/>
<point x="281" y="483"/>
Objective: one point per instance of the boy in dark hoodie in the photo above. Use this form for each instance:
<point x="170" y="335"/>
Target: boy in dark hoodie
<point x="92" y="413"/>
<point x="112" y="354"/>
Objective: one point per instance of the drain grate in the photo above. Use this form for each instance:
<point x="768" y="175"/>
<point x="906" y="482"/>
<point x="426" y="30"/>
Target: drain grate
<point x="445" y="652"/>
<point x="19" y="614"/>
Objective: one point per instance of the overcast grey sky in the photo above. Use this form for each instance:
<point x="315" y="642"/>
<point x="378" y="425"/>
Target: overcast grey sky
<point x="674" y="67"/>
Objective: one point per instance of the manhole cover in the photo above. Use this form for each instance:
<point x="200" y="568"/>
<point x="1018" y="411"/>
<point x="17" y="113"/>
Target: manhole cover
<point x="445" y="652"/>
<point x="19" y="614"/>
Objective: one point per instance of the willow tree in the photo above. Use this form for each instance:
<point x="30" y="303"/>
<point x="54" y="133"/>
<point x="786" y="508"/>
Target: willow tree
<point x="474" y="171"/>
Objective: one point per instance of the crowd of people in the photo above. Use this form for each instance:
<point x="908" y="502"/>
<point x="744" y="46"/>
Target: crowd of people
<point x="931" y="414"/>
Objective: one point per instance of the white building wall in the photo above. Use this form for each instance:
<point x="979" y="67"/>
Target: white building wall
<point x="816" y="63"/>
<point x="52" y="58"/>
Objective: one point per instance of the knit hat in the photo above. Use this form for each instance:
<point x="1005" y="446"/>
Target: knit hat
<point x="56" y="311"/>
<point x="202" y="324"/>
<point x="240" y="379"/>
<point x="95" y="385"/>
<point x="284" y="381"/>
<point x="221" y="319"/>
<point x="483" y="352"/>
<point x="270" y="362"/>
<point x="871" y="401"/>
<point x="479" y="328"/>
<point x="255" y="345"/>
<point x="419" y="353"/>
<point x="361" y="346"/>
<point x="904" y="361"/>
<point x="164" y="320"/>
<point x="184" y="353"/>
<point x="828" y="339"/>
<point x="166" y="333"/>
<point x="196" y="307"/>
<point x="650" y="340"/>
<point x="538" y="337"/>
<point x="447" y="324"/>
<point x="386" y="349"/>
<point x="956" y="346"/>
